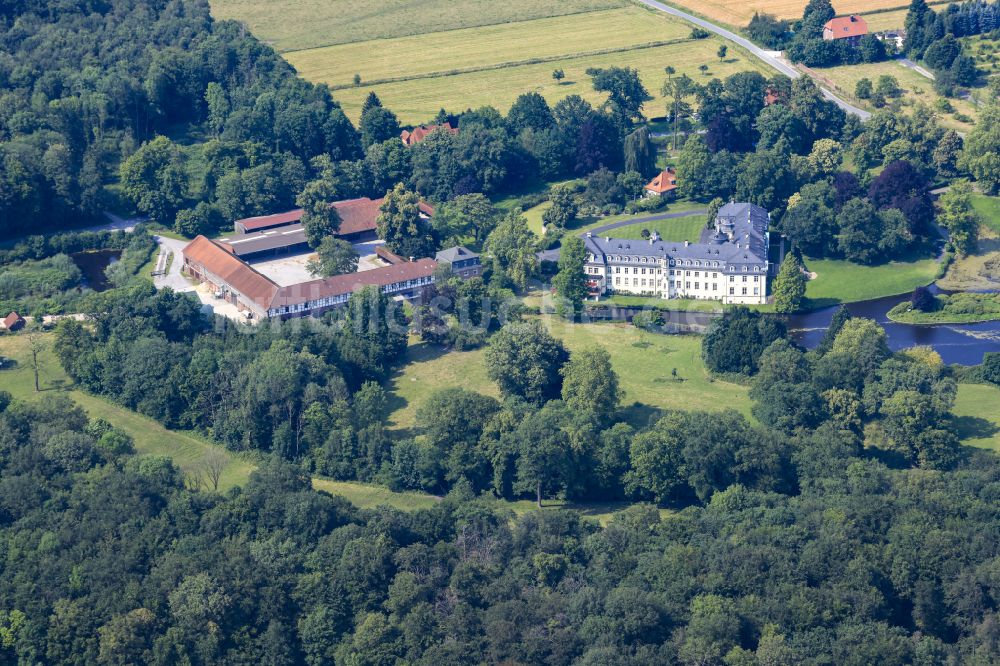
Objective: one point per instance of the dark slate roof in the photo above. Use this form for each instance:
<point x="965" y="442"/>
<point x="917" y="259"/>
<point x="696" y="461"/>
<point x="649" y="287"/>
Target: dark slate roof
<point x="746" y="223"/>
<point x="453" y="254"/>
<point x="261" y="241"/>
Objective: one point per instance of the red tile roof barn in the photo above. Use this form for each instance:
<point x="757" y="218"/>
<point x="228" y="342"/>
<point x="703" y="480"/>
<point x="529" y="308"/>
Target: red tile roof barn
<point x="845" y="26"/>
<point x="230" y="269"/>
<point x="351" y="282"/>
<point x="420" y="133"/>
<point x="357" y="215"/>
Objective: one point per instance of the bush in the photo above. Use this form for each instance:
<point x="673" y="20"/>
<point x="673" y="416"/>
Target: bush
<point x="699" y="33"/>
<point x="922" y="299"/>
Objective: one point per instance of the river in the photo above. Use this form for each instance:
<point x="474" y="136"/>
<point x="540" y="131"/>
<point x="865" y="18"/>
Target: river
<point x="963" y="344"/>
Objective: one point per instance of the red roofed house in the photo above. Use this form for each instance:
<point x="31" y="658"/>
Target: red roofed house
<point x="418" y="134"/>
<point x="852" y="28"/>
<point x="664" y="183"/>
<point x="12" y="322"/>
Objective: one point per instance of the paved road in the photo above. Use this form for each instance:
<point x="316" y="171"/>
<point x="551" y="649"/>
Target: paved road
<point x="909" y="64"/>
<point x="769" y="57"/>
<point x="553" y="254"/>
<point x="173" y="277"/>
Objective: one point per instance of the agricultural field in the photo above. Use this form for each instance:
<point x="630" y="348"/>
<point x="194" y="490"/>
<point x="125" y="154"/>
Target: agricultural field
<point x="916" y="88"/>
<point x="493" y="64"/>
<point x="480" y="48"/>
<point x="839" y="281"/>
<point x="291" y="25"/>
<point x="644" y="363"/>
<point x="737" y="13"/>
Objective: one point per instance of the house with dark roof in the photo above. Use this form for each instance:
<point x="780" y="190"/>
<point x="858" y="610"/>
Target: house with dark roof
<point x="464" y="262"/>
<point x="419" y="133"/>
<point x="251" y="224"/>
<point x="728" y="264"/>
<point x="848" y="28"/>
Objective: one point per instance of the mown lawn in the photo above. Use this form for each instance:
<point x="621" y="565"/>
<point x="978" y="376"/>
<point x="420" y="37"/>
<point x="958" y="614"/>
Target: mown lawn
<point x="678" y="229"/>
<point x="978" y="416"/>
<point x="644" y="363"/>
<point x="839" y="281"/>
<point x="679" y="304"/>
<point x="303" y="24"/>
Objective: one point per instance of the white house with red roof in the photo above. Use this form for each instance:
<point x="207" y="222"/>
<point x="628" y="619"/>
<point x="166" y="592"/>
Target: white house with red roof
<point x="850" y="28"/>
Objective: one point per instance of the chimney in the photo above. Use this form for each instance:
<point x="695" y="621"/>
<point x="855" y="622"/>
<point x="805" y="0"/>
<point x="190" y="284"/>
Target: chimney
<point x="687" y="243"/>
<point x="607" y="239"/>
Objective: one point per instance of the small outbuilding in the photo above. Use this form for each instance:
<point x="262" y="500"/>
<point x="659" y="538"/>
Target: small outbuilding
<point x="12" y="322"/>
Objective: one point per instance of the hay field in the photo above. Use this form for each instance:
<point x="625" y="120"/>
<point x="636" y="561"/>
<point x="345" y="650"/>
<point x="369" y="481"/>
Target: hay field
<point x="302" y="24"/>
<point x="487" y="46"/>
<point x="418" y="100"/>
<point x="885" y="20"/>
<point x="738" y="13"/>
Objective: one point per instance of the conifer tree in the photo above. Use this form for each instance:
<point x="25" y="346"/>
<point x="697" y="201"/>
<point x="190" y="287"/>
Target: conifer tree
<point x="790" y="287"/>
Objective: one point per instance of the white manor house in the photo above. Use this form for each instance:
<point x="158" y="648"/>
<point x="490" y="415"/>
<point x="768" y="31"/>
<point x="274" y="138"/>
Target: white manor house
<point x="730" y="264"/>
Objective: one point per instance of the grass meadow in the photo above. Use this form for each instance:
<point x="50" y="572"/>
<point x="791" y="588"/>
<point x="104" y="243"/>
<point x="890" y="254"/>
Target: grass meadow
<point x="981" y="269"/>
<point x="839" y="281"/>
<point x="916" y="89"/>
<point x="419" y="100"/>
<point x="484" y="47"/>
<point x="644" y="363"/>
<point x="977" y="416"/>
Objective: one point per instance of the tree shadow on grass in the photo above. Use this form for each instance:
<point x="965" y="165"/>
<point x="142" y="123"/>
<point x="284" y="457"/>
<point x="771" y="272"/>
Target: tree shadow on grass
<point x="640" y="416"/>
<point x="974" y="427"/>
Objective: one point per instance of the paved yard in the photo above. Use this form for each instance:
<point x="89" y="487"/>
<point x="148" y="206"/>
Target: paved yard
<point x="287" y="270"/>
<point x="291" y="269"/>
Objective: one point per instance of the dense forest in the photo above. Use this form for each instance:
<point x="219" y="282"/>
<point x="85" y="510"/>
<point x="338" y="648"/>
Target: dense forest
<point x="109" y="559"/>
<point x="85" y="84"/>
